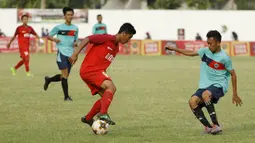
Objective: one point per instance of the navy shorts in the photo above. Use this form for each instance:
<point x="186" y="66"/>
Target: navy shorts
<point x="64" y="62"/>
<point x="217" y="93"/>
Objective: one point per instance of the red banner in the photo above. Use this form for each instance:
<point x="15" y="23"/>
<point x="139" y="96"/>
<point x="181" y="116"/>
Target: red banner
<point x="3" y="45"/>
<point x="190" y="45"/>
<point x="168" y="43"/>
<point x="252" y="48"/>
<point x="124" y="49"/>
<point x="14" y="46"/>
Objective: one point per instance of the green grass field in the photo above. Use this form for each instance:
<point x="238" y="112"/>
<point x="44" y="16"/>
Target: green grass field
<point x="150" y="104"/>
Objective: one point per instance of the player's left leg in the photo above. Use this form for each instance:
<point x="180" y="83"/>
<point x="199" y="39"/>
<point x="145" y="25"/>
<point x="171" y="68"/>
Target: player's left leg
<point x="26" y="63"/>
<point x="109" y="91"/>
<point x="196" y="104"/>
<point x="18" y="65"/>
<point x="88" y="119"/>
<point x="64" y="83"/>
<point x="211" y="96"/>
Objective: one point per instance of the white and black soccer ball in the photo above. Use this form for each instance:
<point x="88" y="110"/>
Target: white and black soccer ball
<point x="100" y="127"/>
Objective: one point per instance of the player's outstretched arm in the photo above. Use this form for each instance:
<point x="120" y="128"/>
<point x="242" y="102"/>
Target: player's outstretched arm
<point x="183" y="51"/>
<point x="77" y="50"/>
<point x="235" y="99"/>
<point x="51" y="38"/>
<point x="14" y="36"/>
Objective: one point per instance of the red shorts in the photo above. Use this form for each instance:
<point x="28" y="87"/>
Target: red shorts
<point x="94" y="80"/>
<point x="24" y="53"/>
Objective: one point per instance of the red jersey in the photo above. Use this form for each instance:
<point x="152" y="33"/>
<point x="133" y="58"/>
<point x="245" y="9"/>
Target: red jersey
<point x="102" y="53"/>
<point x="23" y="33"/>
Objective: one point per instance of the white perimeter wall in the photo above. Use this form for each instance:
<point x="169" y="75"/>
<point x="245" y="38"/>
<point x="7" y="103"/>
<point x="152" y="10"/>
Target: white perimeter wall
<point x="162" y="24"/>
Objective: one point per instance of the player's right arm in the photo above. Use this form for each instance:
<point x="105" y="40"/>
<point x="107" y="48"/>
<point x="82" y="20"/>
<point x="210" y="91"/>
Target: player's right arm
<point x="52" y="33"/>
<point x="183" y="51"/>
<point x="14" y="36"/>
<point x="93" y="39"/>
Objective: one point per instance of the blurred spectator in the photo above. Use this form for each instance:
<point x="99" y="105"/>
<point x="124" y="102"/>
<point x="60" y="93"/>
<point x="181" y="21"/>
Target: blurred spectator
<point x="234" y="36"/>
<point x="99" y="28"/>
<point x="198" y="37"/>
<point x="2" y="34"/>
<point x="43" y="33"/>
<point x="47" y="32"/>
<point x="148" y="35"/>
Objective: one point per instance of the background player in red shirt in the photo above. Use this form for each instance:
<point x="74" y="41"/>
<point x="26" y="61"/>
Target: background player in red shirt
<point x="23" y="33"/>
<point x="93" y="69"/>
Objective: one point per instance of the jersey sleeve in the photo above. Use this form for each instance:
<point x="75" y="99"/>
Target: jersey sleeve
<point x="201" y="52"/>
<point x="54" y="31"/>
<point x="99" y="38"/>
<point x="16" y="31"/>
<point x="228" y="64"/>
<point x="33" y="31"/>
<point x="76" y="35"/>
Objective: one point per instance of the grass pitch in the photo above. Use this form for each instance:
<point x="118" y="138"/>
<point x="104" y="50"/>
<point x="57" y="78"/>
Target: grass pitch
<point x="151" y="103"/>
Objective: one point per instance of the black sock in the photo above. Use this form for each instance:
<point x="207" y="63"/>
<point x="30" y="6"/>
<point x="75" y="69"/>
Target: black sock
<point x="55" y="78"/>
<point x="201" y="117"/>
<point x="210" y="108"/>
<point x="65" y="86"/>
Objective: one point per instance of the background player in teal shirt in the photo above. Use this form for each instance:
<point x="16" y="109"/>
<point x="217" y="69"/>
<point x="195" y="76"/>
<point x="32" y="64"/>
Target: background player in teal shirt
<point x="99" y="28"/>
<point x="67" y="37"/>
<point x="215" y="71"/>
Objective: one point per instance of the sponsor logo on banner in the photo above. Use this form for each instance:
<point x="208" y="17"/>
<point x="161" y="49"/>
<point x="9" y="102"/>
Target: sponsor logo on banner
<point x="190" y="45"/>
<point x="168" y="43"/>
<point x="226" y="47"/>
<point x="52" y="15"/>
<point x="252" y="48"/>
<point x="135" y="46"/>
<point x="124" y="49"/>
<point x="240" y="48"/>
<point x="194" y="46"/>
<point x="151" y="47"/>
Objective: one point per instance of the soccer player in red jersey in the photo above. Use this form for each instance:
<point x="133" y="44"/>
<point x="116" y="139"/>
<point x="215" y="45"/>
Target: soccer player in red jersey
<point x="93" y="69"/>
<point x="23" y="33"/>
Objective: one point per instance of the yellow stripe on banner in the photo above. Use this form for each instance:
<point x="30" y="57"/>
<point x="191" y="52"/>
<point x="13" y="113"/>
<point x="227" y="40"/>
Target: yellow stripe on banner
<point x="226" y="47"/>
<point x="240" y="48"/>
<point x="151" y="47"/>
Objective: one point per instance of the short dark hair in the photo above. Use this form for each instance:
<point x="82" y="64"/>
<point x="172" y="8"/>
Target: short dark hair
<point x="127" y="28"/>
<point x="99" y="15"/>
<point x="66" y="9"/>
<point x="214" y="34"/>
<point x="25" y="15"/>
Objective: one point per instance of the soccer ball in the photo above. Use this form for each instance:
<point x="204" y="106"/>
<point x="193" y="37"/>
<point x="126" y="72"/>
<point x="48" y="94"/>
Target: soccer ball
<point x="100" y="127"/>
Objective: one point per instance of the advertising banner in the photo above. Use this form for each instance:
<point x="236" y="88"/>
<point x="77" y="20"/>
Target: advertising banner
<point x="190" y="45"/>
<point x="168" y="43"/>
<point x="240" y="48"/>
<point x="226" y="46"/>
<point x="151" y="47"/>
<point x="52" y="15"/>
<point x="135" y="47"/>
<point x="252" y="48"/>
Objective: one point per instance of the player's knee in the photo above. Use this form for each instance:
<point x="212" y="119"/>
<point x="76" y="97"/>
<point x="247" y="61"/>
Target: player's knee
<point x="206" y="95"/>
<point x="112" y="87"/>
<point x="108" y="85"/>
<point x="64" y="74"/>
<point x="193" y="102"/>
